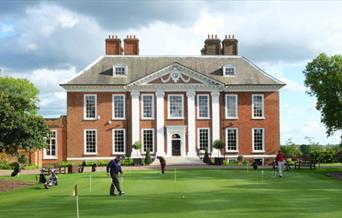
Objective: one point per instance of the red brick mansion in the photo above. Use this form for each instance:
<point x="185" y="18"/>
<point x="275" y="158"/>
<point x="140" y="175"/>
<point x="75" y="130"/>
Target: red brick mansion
<point x="173" y="105"/>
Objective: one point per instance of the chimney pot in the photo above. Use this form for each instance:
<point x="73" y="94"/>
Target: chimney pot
<point x="230" y="45"/>
<point x="131" y="45"/>
<point x="113" y="45"/>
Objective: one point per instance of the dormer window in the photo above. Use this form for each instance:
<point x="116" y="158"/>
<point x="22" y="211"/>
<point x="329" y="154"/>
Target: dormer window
<point x="119" y="70"/>
<point x="229" y="70"/>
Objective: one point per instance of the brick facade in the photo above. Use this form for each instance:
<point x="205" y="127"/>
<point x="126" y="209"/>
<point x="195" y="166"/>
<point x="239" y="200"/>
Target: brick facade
<point x="161" y="77"/>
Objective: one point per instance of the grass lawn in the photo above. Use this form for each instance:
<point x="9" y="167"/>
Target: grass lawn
<point x="196" y="193"/>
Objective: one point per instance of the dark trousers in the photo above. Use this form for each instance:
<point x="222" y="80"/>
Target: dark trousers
<point x="115" y="184"/>
<point x="162" y="166"/>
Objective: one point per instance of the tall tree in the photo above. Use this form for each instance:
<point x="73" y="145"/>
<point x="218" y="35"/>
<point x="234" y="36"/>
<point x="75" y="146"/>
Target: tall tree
<point x="323" y="76"/>
<point x="20" y="125"/>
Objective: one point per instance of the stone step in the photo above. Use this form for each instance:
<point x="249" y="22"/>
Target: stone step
<point x="175" y="161"/>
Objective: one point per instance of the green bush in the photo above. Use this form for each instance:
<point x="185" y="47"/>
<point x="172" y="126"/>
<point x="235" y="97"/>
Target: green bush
<point x="148" y="159"/>
<point x="30" y="167"/>
<point x="4" y="165"/>
<point x="65" y="163"/>
<point x="14" y="165"/>
<point x="339" y="156"/>
<point x="91" y="163"/>
<point x="23" y="159"/>
<point x="127" y="162"/>
<point x="137" y="145"/>
<point x="102" y="163"/>
<point x="206" y="158"/>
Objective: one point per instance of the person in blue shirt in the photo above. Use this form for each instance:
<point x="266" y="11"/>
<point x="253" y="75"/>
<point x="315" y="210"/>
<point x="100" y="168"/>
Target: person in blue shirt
<point x="113" y="169"/>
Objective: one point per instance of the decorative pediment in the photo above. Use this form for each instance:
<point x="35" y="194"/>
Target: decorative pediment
<point x="176" y="74"/>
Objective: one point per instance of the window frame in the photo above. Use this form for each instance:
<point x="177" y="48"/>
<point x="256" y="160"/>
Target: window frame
<point x="124" y="107"/>
<point x="198" y="107"/>
<point x="236" y="106"/>
<point x="228" y="66"/>
<point x="120" y="66"/>
<point x="237" y="140"/>
<point x="142" y="140"/>
<point x="142" y="107"/>
<point x="198" y="140"/>
<point x="85" y="142"/>
<point x="85" y="107"/>
<point x="262" y="107"/>
<point x="168" y="107"/>
<point x="263" y="141"/>
<point x="52" y="157"/>
<point x="113" y="141"/>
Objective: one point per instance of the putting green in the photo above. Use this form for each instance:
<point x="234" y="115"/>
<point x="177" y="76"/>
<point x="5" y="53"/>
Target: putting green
<point x="195" y="193"/>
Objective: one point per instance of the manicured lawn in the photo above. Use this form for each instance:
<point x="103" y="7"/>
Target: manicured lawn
<point x="196" y="193"/>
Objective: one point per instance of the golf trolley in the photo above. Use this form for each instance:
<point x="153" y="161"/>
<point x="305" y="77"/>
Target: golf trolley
<point x="53" y="179"/>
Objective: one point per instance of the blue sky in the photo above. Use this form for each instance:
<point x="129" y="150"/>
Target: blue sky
<point x="50" y="41"/>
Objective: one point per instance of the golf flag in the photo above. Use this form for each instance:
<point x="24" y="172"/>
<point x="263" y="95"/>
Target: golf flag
<point x="75" y="193"/>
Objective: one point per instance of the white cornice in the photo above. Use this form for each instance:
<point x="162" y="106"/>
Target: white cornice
<point x="173" y="87"/>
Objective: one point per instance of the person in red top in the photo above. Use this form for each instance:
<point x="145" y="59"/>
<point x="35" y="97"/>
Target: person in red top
<point x="280" y="160"/>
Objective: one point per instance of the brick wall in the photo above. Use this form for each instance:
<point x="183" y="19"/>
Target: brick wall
<point x="76" y="123"/>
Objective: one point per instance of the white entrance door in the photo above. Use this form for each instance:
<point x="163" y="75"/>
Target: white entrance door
<point x="175" y="141"/>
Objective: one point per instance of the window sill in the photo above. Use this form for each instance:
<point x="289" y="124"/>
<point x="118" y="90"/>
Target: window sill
<point x="258" y="152"/>
<point x="147" y="118"/>
<point x="232" y="151"/>
<point x="203" y="118"/>
<point x="50" y="158"/>
<point x="258" y="118"/>
<point x="175" y="118"/>
<point x="124" y="118"/>
<point x="93" y="119"/>
<point x="232" y="118"/>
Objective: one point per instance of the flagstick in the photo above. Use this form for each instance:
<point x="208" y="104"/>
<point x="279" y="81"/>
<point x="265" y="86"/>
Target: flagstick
<point x="175" y="175"/>
<point x="77" y="205"/>
<point x="262" y="177"/>
<point x="77" y="209"/>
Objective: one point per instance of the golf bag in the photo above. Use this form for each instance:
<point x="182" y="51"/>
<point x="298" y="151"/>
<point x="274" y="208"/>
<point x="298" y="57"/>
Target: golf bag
<point x="16" y="170"/>
<point x="53" y="179"/>
<point x="93" y="167"/>
<point x="255" y="165"/>
<point x="81" y="168"/>
<point x="42" y="179"/>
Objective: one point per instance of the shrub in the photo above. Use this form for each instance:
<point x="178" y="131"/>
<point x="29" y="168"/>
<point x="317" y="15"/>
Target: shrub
<point x="102" y="163"/>
<point x="218" y="144"/>
<point x="23" y="159"/>
<point x="65" y="164"/>
<point x="137" y="145"/>
<point x="126" y="162"/>
<point x="14" y="165"/>
<point x="4" y="165"/>
<point x="91" y="163"/>
<point x="206" y="158"/>
<point x="148" y="159"/>
<point x="245" y="162"/>
<point x="31" y="167"/>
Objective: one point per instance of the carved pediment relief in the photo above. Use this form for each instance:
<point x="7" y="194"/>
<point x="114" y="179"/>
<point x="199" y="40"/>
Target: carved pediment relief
<point x="176" y="74"/>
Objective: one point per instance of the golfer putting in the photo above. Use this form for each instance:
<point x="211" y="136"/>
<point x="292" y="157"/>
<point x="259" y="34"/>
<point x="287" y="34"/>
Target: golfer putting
<point x="114" y="168"/>
<point x="162" y="164"/>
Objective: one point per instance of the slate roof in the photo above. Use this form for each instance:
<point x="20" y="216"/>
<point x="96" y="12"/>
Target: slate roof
<point x="100" y="73"/>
